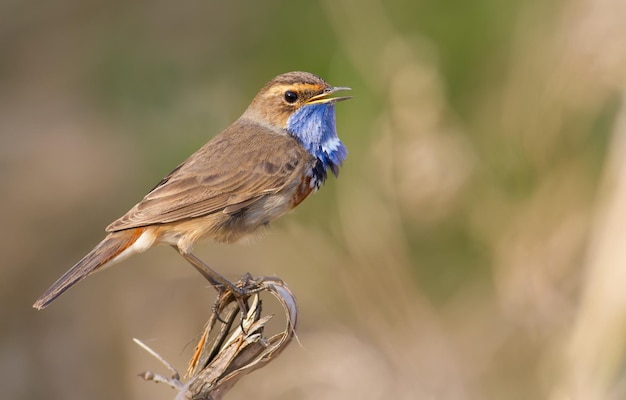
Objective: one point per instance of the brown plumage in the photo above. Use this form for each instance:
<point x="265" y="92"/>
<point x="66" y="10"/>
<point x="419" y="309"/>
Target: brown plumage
<point x="248" y="175"/>
<point x="228" y="197"/>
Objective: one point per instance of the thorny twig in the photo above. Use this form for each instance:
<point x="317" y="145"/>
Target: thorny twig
<point x="229" y="349"/>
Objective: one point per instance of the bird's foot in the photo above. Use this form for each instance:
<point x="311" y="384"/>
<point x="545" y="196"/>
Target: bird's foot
<point x="240" y="292"/>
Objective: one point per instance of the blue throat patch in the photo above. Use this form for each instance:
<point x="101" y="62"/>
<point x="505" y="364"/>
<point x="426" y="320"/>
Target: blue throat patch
<point x="314" y="127"/>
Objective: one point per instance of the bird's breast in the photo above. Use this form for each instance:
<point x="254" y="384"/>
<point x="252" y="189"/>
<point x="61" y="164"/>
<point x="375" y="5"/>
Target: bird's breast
<point x="307" y="186"/>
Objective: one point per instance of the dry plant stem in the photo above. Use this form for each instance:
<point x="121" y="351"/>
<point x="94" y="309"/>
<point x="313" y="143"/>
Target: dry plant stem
<point x="227" y="351"/>
<point x="174" y="381"/>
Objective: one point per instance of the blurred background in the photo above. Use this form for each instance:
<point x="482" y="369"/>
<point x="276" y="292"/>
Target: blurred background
<point x="472" y="247"/>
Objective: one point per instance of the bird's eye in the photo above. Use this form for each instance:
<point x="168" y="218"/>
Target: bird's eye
<point x="291" y="97"/>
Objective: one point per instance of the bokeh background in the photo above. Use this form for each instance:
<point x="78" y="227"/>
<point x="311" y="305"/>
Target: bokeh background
<point x="472" y="248"/>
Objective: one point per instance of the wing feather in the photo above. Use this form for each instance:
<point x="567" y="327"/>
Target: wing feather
<point x="241" y="165"/>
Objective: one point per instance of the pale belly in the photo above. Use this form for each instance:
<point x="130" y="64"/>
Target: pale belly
<point x="228" y="227"/>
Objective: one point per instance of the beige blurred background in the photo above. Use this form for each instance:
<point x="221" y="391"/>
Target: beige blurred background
<point x="472" y="248"/>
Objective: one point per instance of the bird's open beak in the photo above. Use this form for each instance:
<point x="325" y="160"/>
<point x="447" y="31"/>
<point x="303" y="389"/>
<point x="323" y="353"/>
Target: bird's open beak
<point x="325" y="97"/>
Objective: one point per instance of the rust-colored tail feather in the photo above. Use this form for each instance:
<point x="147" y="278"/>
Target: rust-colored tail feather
<point x="112" y="245"/>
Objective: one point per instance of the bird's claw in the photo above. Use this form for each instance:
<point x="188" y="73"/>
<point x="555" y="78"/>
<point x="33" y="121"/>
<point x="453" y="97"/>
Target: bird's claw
<point x="240" y="292"/>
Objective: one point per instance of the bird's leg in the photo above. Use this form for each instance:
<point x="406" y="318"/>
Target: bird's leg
<point x="218" y="281"/>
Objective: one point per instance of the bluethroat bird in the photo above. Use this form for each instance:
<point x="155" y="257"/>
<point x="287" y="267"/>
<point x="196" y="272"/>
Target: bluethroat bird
<point x="260" y="167"/>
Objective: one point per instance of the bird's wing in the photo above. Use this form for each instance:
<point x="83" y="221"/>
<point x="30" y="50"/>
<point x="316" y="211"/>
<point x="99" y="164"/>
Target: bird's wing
<point x="232" y="171"/>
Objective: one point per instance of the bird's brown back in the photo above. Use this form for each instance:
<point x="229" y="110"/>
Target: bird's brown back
<point x="243" y="164"/>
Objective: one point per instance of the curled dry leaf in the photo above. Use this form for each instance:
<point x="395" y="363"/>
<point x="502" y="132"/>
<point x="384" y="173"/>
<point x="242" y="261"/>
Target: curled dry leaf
<point x="229" y="347"/>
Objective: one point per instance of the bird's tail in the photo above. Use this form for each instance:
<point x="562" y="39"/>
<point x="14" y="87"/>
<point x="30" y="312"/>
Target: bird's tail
<point x="114" y="248"/>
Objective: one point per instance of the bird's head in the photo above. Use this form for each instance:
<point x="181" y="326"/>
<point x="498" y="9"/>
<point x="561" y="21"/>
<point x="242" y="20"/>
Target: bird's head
<point x="302" y="104"/>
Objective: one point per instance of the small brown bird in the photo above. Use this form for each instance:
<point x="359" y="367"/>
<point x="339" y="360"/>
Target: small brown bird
<point x="260" y="167"/>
